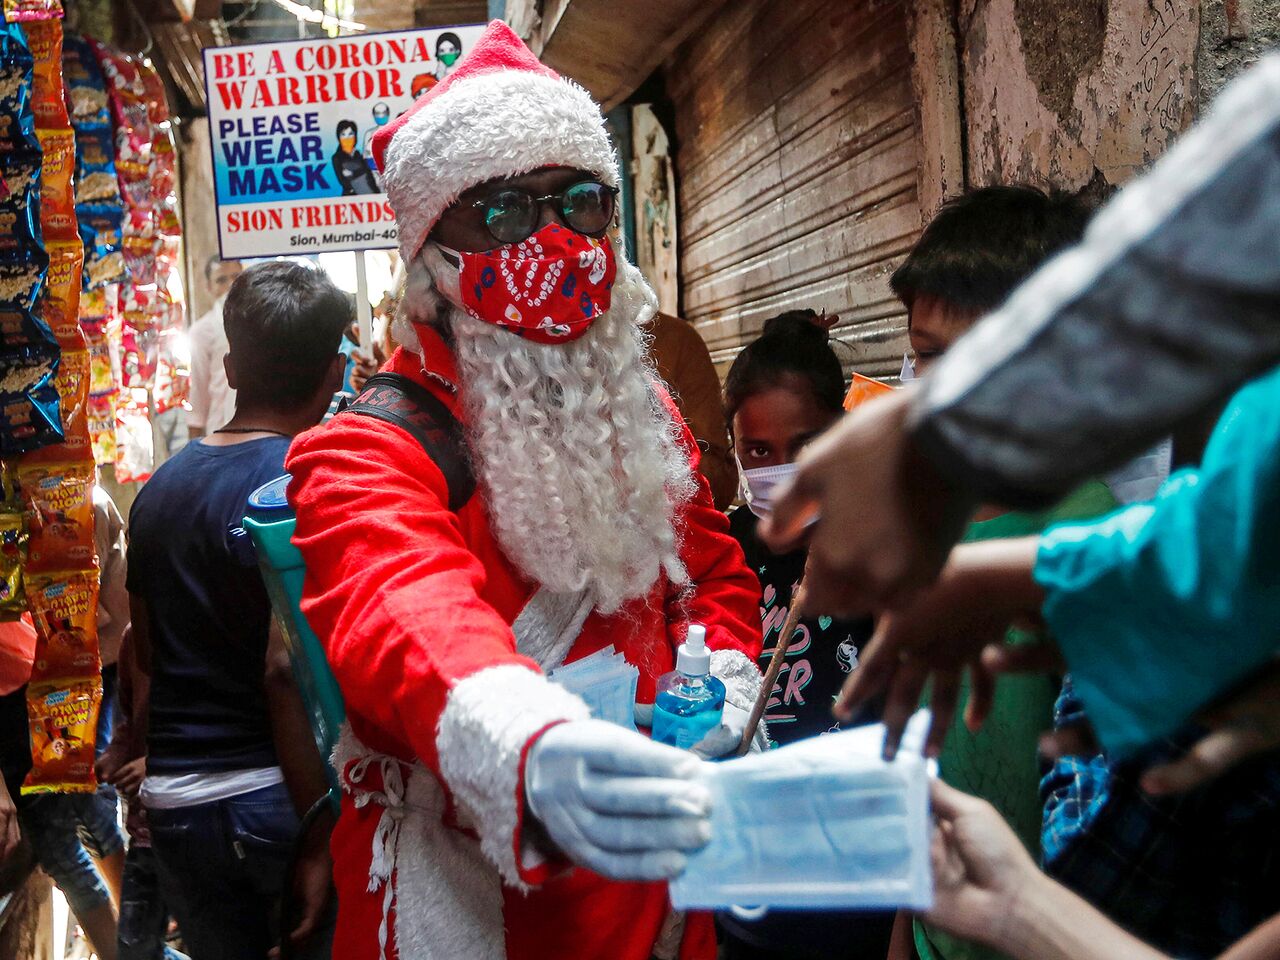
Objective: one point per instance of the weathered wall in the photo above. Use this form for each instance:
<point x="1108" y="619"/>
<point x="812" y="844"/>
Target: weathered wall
<point x="796" y="152"/>
<point x="199" y="221"/>
<point x="1233" y="34"/>
<point x="1065" y="93"/>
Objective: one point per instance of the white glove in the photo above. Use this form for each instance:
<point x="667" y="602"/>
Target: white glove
<point x="616" y="802"/>
<point x="720" y="741"/>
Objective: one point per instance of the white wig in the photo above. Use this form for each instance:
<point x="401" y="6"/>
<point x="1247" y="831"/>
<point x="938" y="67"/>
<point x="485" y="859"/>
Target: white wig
<point x="579" y="459"/>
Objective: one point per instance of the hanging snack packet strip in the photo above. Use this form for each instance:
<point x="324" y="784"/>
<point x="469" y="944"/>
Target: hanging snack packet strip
<point x="28" y="352"/>
<point x="99" y="206"/>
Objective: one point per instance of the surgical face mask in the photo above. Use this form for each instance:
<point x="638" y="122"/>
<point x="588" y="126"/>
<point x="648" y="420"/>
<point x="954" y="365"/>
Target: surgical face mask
<point x="449" y="58"/>
<point x="758" y="484"/>
<point x="347" y="144"/>
<point x="823" y="823"/>
<point x="908" y="368"/>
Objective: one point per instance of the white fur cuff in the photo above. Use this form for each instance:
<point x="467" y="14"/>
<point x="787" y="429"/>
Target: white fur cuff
<point x="486" y="725"/>
<point x="740" y="676"/>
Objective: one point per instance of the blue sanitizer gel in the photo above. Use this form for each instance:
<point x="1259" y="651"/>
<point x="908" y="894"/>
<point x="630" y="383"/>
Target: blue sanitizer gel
<point x="689" y="700"/>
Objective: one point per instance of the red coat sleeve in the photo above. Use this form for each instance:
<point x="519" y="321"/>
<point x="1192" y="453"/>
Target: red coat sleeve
<point x="394" y="594"/>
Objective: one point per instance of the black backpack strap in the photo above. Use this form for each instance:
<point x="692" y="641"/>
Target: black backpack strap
<point x="395" y="399"/>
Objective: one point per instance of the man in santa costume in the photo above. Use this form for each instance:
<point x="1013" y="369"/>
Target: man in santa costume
<point x="536" y="504"/>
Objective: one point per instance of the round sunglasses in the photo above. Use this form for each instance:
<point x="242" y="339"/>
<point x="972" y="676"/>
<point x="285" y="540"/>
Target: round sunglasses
<point x="512" y="215"/>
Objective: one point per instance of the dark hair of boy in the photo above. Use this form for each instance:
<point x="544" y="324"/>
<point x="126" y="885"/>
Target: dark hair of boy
<point x="284" y="323"/>
<point x="981" y="245"/>
<point x="448" y="37"/>
<point x="792" y="346"/>
<point x="348" y="126"/>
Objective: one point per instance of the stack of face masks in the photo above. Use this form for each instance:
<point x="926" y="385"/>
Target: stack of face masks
<point x="821" y="824"/>
<point x="606" y="682"/>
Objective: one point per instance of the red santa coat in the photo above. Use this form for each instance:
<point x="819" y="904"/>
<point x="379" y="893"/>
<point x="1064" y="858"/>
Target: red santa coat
<point x="415" y="606"/>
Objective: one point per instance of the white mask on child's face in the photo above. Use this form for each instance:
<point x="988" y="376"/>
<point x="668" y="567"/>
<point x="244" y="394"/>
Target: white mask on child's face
<point x="756" y="485"/>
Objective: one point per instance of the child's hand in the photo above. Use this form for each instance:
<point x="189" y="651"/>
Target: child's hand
<point x="364" y="368"/>
<point x="942" y="632"/>
<point x="129" y="777"/>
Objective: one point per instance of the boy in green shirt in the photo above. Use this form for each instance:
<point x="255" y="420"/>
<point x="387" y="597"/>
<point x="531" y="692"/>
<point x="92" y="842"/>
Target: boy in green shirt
<point x="970" y="257"/>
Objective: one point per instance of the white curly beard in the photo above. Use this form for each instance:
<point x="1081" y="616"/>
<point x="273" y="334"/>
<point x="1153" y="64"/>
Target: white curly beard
<point x="578" y="458"/>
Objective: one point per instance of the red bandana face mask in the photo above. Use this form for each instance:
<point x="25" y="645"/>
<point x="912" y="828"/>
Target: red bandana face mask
<point x="549" y="287"/>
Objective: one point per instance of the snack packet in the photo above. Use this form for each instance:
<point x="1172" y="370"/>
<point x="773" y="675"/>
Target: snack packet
<point x="135" y="451"/>
<point x="22" y="275"/>
<point x="19" y="231"/>
<point x="102" y="429"/>
<point x="64" y="608"/>
<point x="96" y="166"/>
<point x="20" y="179"/>
<point x="59" y="500"/>
<point x="23" y="369"/>
<point x="13" y="555"/>
<point x="57" y="198"/>
<point x="126" y="92"/>
<point x="29" y="421"/>
<point x="17" y="121"/>
<point x="25" y="11"/>
<point x="72" y="384"/>
<point x="86" y="88"/>
<point x="63" y="718"/>
<point x="21" y="328"/>
<point x="100" y="231"/>
<point x="59" y="306"/>
<point x="50" y="107"/>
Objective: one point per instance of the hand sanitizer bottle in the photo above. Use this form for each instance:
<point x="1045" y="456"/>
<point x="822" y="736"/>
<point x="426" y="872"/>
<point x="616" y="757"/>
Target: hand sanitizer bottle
<point x="689" y="699"/>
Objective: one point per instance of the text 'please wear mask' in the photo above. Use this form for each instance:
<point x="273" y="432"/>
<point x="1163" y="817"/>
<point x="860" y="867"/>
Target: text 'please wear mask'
<point x="549" y="287"/>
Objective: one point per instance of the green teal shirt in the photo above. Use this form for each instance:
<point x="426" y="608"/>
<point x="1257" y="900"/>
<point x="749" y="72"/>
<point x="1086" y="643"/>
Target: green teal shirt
<point x="1000" y="762"/>
<point x="1162" y="606"/>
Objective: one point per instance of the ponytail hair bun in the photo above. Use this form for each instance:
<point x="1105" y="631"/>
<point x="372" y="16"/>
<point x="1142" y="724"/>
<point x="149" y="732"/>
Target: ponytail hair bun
<point x="792" y="345"/>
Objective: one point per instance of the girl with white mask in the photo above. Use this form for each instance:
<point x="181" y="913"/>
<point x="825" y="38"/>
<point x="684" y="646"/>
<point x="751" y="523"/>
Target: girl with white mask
<point x="782" y="391"/>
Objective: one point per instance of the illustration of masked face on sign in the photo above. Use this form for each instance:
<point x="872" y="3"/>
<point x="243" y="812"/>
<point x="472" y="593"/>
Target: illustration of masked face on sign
<point x="448" y="52"/>
<point x="349" y="166"/>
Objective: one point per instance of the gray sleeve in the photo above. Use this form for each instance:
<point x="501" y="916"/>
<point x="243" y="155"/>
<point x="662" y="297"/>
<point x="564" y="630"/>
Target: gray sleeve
<point x="1170" y="303"/>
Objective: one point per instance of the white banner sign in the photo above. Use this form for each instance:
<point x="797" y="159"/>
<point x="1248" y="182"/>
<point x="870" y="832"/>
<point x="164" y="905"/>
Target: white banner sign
<point x="291" y="126"/>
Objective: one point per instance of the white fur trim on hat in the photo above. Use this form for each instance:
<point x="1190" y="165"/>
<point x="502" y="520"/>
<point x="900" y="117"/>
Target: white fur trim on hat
<point x="487" y="722"/>
<point x="499" y="124"/>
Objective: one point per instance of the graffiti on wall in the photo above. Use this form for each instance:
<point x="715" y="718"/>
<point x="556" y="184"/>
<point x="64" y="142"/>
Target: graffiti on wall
<point x="1069" y="92"/>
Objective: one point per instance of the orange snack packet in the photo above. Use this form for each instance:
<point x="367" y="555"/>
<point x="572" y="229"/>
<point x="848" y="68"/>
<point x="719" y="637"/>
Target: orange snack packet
<point x="57" y="197"/>
<point x="59" y="500"/>
<point x="63" y="717"/>
<point x="64" y="608"/>
<point x="72" y="384"/>
<point x="59" y="304"/>
<point x="44" y="38"/>
<point x="862" y="389"/>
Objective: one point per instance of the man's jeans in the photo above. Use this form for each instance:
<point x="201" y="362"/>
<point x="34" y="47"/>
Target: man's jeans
<point x="144" y="914"/>
<point x="222" y="868"/>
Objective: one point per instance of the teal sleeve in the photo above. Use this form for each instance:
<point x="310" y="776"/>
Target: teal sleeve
<point x="1163" y="606"/>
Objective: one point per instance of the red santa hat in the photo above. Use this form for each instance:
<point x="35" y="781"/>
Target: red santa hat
<point x="501" y="113"/>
